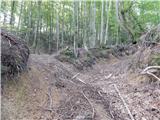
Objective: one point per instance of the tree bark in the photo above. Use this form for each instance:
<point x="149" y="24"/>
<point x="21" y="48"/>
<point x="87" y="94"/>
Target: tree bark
<point x="102" y="11"/>
<point x="12" y="13"/>
<point x="19" y="20"/>
<point x="108" y="7"/>
<point x="57" y="29"/>
<point x="85" y="27"/>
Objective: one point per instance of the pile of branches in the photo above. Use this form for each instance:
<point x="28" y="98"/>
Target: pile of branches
<point x="14" y="54"/>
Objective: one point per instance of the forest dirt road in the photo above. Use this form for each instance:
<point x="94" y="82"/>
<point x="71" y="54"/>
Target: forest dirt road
<point x="48" y="92"/>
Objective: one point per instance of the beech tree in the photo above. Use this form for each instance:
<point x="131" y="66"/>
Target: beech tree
<point x="49" y="26"/>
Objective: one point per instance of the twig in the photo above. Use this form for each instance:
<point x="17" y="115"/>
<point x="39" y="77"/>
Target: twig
<point x="75" y="75"/>
<point x="9" y="43"/>
<point x="146" y="71"/>
<point x="107" y="77"/>
<point x="90" y="104"/>
<point x="151" y="67"/>
<point x="124" y="103"/>
<point x="46" y="109"/>
<point x="99" y="93"/>
<point x="110" y="110"/>
<point x="81" y="81"/>
<point x="149" y="73"/>
<point x="49" y="97"/>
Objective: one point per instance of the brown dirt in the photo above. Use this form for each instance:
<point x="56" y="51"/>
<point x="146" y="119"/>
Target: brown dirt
<point x="47" y="92"/>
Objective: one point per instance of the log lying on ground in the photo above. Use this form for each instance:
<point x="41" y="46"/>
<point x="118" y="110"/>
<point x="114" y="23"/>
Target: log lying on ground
<point x="14" y="54"/>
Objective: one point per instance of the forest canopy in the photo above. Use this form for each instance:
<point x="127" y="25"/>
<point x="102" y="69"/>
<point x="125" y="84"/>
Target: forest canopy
<point x="48" y="26"/>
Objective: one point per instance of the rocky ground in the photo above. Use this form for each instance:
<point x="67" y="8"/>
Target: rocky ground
<point x="54" y="90"/>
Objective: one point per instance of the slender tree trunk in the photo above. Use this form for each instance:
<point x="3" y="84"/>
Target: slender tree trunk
<point x="30" y="22"/>
<point x="4" y="20"/>
<point x="37" y="28"/>
<point x="85" y="27"/>
<point x="77" y="22"/>
<point x="102" y="11"/>
<point x="123" y="22"/>
<point x="19" y="20"/>
<point x="51" y="28"/>
<point x="93" y="25"/>
<point x="81" y="25"/>
<point x="74" y="28"/>
<point x="62" y="27"/>
<point x="108" y="7"/>
<point x="57" y="30"/>
<point x="5" y="15"/>
<point x="12" y="13"/>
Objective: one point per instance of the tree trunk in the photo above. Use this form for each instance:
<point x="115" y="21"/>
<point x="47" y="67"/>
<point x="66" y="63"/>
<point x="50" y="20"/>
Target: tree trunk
<point x="19" y="20"/>
<point x="30" y="22"/>
<point x="93" y="25"/>
<point x="62" y="43"/>
<point x="108" y="7"/>
<point x="12" y="13"/>
<point x="37" y="27"/>
<point x="5" y="15"/>
<point x="85" y="27"/>
<point x="122" y="21"/>
<point x="102" y="9"/>
<point x="57" y="30"/>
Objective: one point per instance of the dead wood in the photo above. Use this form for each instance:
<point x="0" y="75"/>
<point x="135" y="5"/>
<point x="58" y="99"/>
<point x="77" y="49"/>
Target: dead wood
<point x="90" y="104"/>
<point x="124" y="103"/>
<point x="150" y="70"/>
<point x="14" y="54"/>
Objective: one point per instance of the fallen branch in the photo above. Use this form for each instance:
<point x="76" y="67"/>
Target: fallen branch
<point x="81" y="81"/>
<point x="75" y="75"/>
<point x="49" y="97"/>
<point x="90" y="104"/>
<point x="109" y="76"/>
<point x="146" y="71"/>
<point x="124" y="103"/>
<point x="149" y="73"/>
<point x="45" y="109"/>
<point x="110" y="110"/>
<point x="151" y="67"/>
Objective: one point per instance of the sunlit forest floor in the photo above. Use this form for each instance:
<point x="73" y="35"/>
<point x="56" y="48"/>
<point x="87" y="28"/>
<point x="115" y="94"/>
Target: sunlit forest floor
<point x="54" y="90"/>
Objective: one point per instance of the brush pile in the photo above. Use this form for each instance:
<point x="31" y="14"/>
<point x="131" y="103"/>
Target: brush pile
<point x="14" y="54"/>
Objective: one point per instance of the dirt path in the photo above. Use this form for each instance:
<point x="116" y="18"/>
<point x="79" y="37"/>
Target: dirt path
<point x="46" y="92"/>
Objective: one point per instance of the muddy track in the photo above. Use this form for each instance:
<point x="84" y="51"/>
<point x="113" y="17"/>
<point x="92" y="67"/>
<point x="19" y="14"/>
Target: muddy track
<point x="48" y="91"/>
